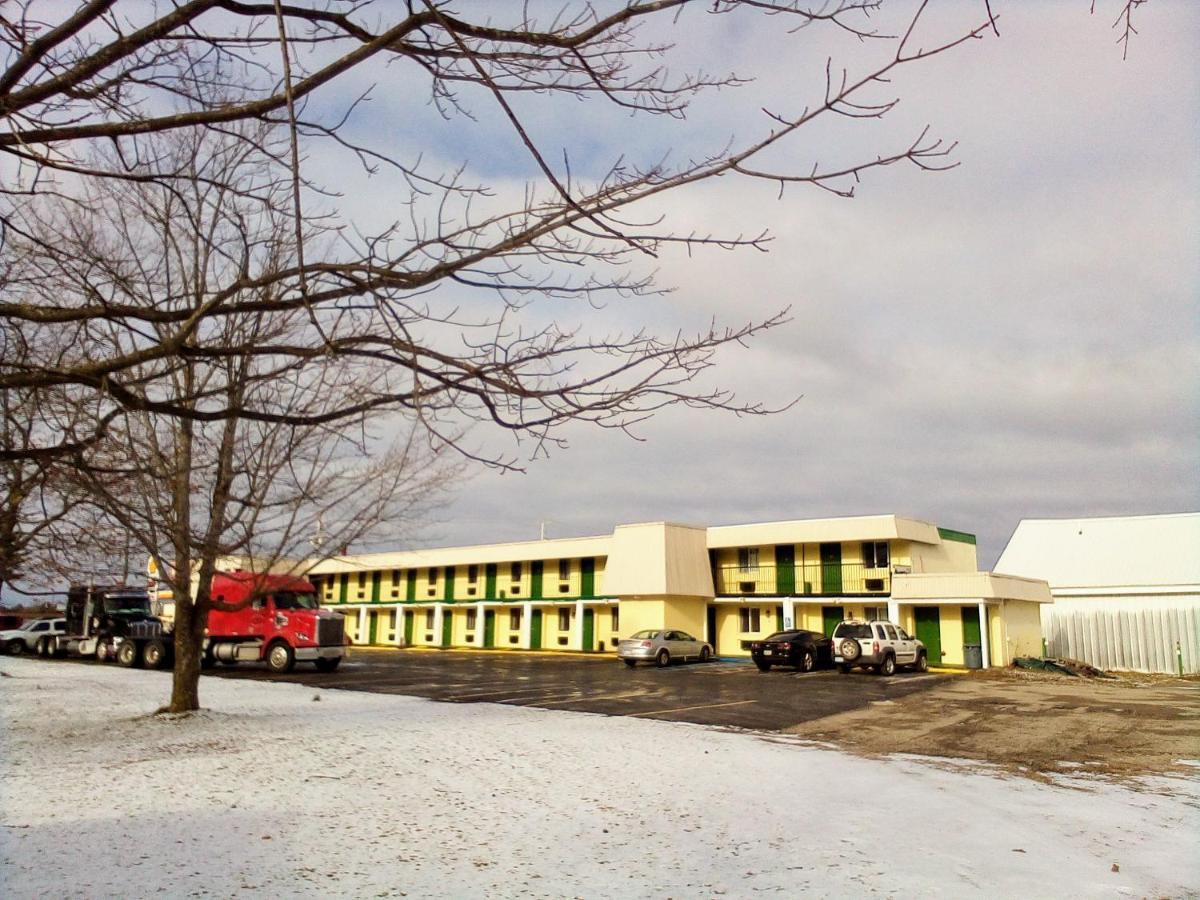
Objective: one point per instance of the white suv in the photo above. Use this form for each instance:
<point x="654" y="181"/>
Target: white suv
<point x="31" y="636"/>
<point x="878" y="645"/>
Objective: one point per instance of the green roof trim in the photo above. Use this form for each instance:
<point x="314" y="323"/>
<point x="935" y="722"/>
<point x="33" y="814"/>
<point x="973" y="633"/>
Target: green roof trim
<point x="949" y="534"/>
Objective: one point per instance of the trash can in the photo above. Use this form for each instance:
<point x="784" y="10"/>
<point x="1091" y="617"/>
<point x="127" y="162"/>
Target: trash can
<point x="973" y="656"/>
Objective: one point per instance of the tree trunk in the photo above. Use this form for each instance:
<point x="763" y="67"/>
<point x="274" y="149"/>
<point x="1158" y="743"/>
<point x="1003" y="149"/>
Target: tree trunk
<point x="189" y="636"/>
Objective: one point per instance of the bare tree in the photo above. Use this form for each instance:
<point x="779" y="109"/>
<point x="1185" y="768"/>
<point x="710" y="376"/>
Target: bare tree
<point x="190" y="490"/>
<point x="119" y="73"/>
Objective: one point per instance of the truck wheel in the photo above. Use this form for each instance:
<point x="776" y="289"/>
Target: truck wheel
<point x="43" y="647"/>
<point x="280" y="658"/>
<point x="128" y="654"/>
<point x="16" y="646"/>
<point x="329" y="664"/>
<point x="888" y="666"/>
<point x="155" y="654"/>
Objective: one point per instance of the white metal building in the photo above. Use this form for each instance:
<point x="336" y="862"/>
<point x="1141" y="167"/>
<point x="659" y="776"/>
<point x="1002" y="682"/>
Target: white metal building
<point x="1126" y="589"/>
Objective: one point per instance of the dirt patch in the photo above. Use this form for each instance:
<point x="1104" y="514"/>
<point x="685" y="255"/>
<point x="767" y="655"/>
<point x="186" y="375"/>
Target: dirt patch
<point x="1034" y="723"/>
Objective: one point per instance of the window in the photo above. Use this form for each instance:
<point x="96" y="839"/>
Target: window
<point x="41" y="626"/>
<point x="875" y="612"/>
<point x="750" y="619"/>
<point x="432" y="577"/>
<point x="472" y="619"/>
<point x="472" y="574"/>
<point x="515" y="571"/>
<point x="564" y="620"/>
<point x="362" y="585"/>
<point x="747" y="558"/>
<point x="616" y="619"/>
<point x="875" y="554"/>
<point x="891" y="631"/>
<point x="564" y="570"/>
<point x="429" y="620"/>
<point x="395" y="582"/>
<point x="514" y="620"/>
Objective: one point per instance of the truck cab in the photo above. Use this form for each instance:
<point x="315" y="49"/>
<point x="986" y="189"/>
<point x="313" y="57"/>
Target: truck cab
<point x="274" y="618"/>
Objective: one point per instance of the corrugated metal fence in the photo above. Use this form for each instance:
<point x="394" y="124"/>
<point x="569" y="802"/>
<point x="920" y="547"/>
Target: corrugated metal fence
<point x="1115" y="634"/>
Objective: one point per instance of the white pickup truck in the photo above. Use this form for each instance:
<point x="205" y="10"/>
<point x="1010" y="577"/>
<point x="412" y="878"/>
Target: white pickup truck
<point x="880" y="646"/>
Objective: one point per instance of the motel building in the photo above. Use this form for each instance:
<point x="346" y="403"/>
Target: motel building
<point x="728" y="584"/>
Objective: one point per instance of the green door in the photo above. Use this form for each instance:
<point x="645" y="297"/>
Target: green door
<point x="447" y="626"/>
<point x="408" y="627"/>
<point x="376" y="581"/>
<point x="535" y="578"/>
<point x="535" y="630"/>
<point x="785" y="569"/>
<point x="344" y="588"/>
<point x="929" y="631"/>
<point x="589" y="629"/>
<point x="489" y="582"/>
<point x="970" y="622"/>
<point x="587" y="577"/>
<point x="410" y="589"/>
<point x="449" y="574"/>
<point x="489" y="628"/>
<point x="831" y="617"/>
<point x="372" y="626"/>
<point x="831" y="568"/>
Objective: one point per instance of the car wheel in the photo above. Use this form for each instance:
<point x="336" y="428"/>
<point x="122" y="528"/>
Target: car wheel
<point x="808" y="661"/>
<point x="43" y="647"/>
<point x="844" y="669"/>
<point x="155" y="654"/>
<point x="888" y="666"/>
<point x="329" y="664"/>
<point x="16" y="646"/>
<point x="763" y="666"/>
<point x="922" y="663"/>
<point x="705" y="654"/>
<point x="280" y="658"/>
<point x="127" y="654"/>
<point x="630" y="662"/>
<point x="663" y="659"/>
<point x="849" y="649"/>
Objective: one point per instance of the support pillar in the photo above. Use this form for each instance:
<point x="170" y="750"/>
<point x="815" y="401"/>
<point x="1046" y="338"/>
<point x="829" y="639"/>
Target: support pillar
<point x="893" y="611"/>
<point x="577" y="627"/>
<point x="983" y="634"/>
<point x="789" y="613"/>
<point x="437" y="625"/>
<point x="364" y="636"/>
<point x="526" y="625"/>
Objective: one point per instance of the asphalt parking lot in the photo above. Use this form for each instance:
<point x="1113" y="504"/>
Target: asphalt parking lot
<point x="731" y="694"/>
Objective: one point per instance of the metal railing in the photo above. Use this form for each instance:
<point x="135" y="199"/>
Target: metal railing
<point x="840" y="579"/>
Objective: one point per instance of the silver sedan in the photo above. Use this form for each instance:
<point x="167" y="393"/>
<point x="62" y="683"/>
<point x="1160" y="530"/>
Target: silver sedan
<point x="661" y="646"/>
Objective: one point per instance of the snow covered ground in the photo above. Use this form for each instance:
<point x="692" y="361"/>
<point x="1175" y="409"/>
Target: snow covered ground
<point x="280" y="790"/>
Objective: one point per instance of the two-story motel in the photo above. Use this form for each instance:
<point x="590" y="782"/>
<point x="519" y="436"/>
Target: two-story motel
<point x="728" y="584"/>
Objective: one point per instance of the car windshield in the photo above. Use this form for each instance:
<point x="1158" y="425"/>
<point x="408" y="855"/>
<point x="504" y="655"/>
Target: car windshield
<point x="643" y="635"/>
<point x="849" y="630"/>
<point x="293" y="600"/>
<point x="126" y="604"/>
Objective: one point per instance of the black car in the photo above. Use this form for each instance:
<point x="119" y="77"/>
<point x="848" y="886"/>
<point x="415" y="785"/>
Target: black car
<point x="803" y="649"/>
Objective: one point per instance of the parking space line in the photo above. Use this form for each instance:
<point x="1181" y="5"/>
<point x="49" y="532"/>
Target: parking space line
<point x="592" y="697"/>
<point x="659" y="712"/>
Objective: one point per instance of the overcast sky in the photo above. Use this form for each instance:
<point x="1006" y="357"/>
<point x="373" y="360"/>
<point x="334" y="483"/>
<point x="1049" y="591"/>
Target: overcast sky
<point x="1015" y="338"/>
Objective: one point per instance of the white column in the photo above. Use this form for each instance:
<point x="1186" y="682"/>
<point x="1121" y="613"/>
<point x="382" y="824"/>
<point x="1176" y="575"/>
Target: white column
<point x="983" y="633"/>
<point x="577" y="627"/>
<point x="363" y="635"/>
<point x="480" y="627"/>
<point x="789" y="614"/>
<point x="437" y="625"/>
<point x="893" y="610"/>
<point x="526" y="625"/>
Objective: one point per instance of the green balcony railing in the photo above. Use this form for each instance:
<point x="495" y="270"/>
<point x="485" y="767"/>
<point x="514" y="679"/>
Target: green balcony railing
<point x="840" y="579"/>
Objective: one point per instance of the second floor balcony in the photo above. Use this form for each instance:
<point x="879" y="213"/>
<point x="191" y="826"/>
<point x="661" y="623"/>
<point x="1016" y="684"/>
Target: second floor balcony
<point x="817" y="579"/>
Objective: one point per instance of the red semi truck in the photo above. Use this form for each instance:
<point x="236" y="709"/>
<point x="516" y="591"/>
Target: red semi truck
<point x="277" y="620"/>
<point x="283" y="624"/>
